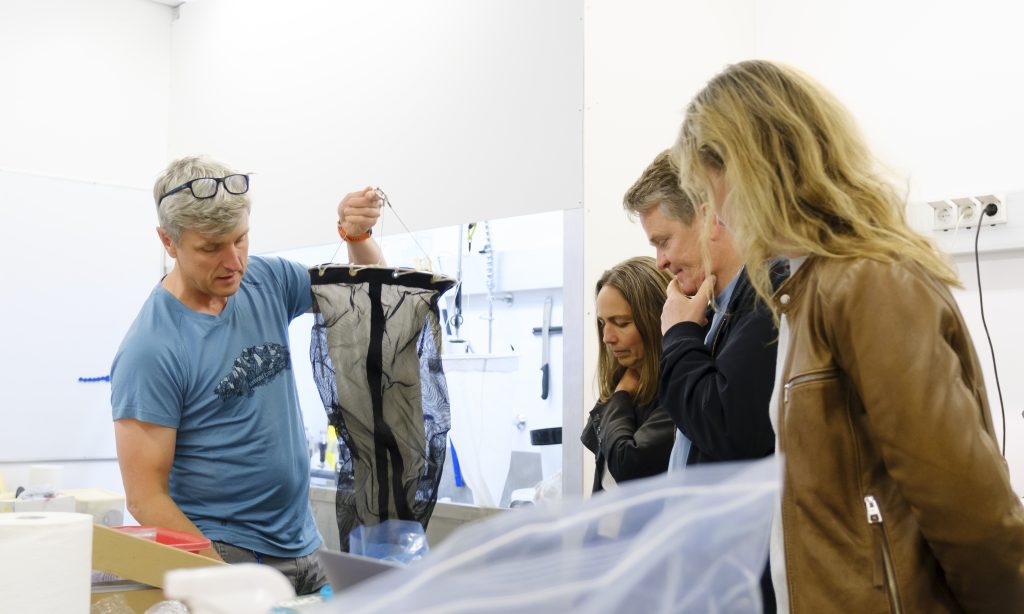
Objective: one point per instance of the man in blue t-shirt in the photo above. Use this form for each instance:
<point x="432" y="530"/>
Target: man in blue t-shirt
<point x="209" y="434"/>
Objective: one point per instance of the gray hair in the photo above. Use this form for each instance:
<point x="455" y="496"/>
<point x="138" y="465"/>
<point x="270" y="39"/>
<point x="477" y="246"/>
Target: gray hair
<point x="659" y="186"/>
<point x="182" y="211"/>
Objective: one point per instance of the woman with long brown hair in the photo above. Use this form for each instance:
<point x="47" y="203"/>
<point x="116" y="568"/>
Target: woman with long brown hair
<point x="628" y="432"/>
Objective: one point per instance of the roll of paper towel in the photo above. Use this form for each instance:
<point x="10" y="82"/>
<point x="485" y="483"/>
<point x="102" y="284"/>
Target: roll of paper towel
<point x="46" y="565"/>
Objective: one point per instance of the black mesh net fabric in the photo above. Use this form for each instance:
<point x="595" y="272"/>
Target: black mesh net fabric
<point x="376" y="354"/>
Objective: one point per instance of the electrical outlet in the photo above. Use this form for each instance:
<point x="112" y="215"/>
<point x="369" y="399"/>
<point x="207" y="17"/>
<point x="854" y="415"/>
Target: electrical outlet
<point x="944" y="217"/>
<point x="1000" y="216"/>
<point x="965" y="212"/>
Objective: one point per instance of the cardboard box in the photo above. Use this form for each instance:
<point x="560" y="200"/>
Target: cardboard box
<point x="59" y="503"/>
<point x="141" y="564"/>
<point x="106" y="507"/>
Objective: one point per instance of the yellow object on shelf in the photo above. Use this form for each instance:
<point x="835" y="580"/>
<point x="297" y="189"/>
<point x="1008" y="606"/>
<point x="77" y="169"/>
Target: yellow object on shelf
<point x="332" y="448"/>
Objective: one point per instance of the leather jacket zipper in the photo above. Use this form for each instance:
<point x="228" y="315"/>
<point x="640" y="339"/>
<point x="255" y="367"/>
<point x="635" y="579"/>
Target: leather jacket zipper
<point x="803" y="379"/>
<point x="875" y="518"/>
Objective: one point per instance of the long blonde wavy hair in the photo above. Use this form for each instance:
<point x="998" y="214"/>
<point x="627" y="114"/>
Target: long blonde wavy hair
<point x="800" y="178"/>
<point x="643" y="285"/>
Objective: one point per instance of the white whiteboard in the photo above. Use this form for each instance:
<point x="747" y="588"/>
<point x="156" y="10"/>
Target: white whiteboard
<point x="77" y="260"/>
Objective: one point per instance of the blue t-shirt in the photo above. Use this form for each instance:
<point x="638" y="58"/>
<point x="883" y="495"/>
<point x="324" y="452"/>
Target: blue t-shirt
<point x="241" y="470"/>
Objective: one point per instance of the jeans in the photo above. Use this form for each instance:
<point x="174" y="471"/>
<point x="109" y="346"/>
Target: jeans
<point x="303" y="572"/>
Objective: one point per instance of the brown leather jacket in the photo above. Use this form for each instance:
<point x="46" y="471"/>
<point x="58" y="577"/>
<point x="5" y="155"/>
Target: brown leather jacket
<point x="895" y="496"/>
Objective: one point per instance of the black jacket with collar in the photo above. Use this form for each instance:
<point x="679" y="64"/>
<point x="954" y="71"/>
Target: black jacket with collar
<point x="718" y="393"/>
<point x="633" y="441"/>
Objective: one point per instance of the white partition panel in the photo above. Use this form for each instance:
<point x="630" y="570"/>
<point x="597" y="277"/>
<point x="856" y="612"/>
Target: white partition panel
<point x="461" y="110"/>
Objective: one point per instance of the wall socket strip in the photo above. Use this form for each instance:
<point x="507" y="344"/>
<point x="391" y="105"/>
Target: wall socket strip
<point x="964" y="212"/>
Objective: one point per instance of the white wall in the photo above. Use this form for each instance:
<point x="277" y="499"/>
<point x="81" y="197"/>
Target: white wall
<point x="85" y="89"/>
<point x="460" y="110"/>
<point x="935" y="86"/>
<point x="85" y="96"/>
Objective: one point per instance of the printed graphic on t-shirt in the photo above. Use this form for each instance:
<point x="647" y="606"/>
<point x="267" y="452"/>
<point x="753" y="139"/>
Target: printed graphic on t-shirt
<point x="255" y="366"/>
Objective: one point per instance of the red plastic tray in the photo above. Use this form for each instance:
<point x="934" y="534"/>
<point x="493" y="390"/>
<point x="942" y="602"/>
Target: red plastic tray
<point x="167" y="537"/>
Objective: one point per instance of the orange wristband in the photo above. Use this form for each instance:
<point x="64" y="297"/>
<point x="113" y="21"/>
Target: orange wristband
<point x="356" y="239"/>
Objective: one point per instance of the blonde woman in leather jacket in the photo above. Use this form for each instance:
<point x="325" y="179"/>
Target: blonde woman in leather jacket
<point x="895" y="496"/>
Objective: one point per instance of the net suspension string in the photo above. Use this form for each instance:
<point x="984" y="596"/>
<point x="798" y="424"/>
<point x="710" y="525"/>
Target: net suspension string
<point x="384" y="202"/>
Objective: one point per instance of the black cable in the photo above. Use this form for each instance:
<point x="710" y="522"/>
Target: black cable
<point x="990" y="209"/>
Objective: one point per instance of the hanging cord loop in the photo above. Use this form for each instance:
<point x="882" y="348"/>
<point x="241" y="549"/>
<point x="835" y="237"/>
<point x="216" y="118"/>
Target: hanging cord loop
<point x="397" y="272"/>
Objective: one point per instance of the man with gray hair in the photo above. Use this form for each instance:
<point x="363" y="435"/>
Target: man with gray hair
<point x="717" y="368"/>
<point x="209" y="435"/>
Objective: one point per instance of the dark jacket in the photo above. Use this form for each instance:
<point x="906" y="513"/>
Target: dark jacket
<point x="895" y="497"/>
<point x="718" y="394"/>
<point x="634" y="442"/>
